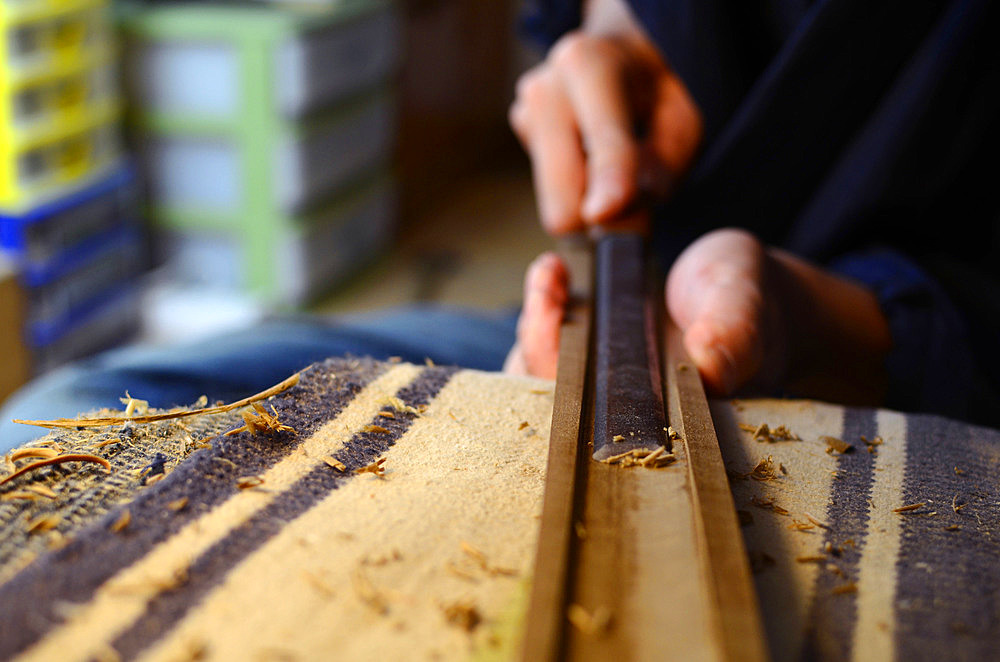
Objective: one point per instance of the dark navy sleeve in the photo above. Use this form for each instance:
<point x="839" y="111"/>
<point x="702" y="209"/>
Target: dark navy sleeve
<point x="931" y="366"/>
<point x="544" y="21"/>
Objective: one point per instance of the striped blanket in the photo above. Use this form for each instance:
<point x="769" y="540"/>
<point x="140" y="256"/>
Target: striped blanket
<point x="394" y="513"/>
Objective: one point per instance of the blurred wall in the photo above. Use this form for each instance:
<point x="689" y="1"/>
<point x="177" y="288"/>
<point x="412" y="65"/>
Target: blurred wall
<point x="459" y="61"/>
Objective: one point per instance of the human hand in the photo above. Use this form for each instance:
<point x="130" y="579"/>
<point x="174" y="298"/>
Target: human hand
<point x="754" y="319"/>
<point x="603" y="118"/>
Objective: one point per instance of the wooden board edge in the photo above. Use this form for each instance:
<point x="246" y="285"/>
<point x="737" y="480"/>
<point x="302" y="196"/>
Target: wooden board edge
<point x="739" y="625"/>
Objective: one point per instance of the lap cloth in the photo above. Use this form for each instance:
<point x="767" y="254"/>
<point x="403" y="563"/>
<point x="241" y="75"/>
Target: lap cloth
<point x="199" y="545"/>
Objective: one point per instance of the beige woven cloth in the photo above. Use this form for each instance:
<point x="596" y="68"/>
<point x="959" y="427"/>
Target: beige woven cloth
<point x="274" y="546"/>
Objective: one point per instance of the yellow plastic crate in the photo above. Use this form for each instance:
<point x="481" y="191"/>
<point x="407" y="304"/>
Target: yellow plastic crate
<point x="48" y="167"/>
<point x="53" y="43"/>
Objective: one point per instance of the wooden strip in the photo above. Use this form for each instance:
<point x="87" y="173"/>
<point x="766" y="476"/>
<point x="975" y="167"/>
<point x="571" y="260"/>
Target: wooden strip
<point x="544" y="629"/>
<point x="739" y="627"/>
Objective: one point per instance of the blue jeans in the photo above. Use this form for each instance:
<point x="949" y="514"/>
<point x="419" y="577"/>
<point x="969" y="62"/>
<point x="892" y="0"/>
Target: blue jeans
<point x="239" y="364"/>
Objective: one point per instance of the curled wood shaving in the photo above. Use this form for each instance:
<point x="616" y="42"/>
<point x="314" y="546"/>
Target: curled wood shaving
<point x="22" y="453"/>
<point x="59" y="459"/>
<point x="768" y="504"/>
<point x="42" y="490"/>
<point x="763" y="433"/>
<point x="909" y="508"/>
<point x="261" y="421"/>
<point x="835" y="445"/>
<point x="480" y="559"/>
<point x="123" y="520"/>
<point x="797" y="525"/>
<point x="818" y="522"/>
<point x="400" y="406"/>
<point x="850" y="587"/>
<point x="764" y="470"/>
<point x="249" y="481"/>
<point x="373" y="468"/>
<point x="593" y="623"/>
<point x="463" y="615"/>
<point x="955" y="505"/>
<point x="872" y="445"/>
<point x="44" y="523"/>
<point x="116" y="420"/>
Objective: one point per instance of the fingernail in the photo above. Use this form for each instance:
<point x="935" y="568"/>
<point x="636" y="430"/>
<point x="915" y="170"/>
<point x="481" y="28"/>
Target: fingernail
<point x="601" y="196"/>
<point x="717" y="366"/>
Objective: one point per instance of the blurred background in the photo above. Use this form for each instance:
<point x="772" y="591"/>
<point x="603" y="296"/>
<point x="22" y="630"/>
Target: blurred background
<point x="171" y="170"/>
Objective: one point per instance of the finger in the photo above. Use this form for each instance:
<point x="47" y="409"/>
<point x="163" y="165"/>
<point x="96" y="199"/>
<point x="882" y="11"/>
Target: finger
<point x="543" y="119"/>
<point x="593" y="73"/>
<point x="674" y="134"/>
<point x="545" y="295"/>
<point x="715" y="295"/>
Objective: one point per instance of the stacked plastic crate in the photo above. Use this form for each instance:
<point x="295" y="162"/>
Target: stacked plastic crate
<point x="66" y="197"/>
<point x="265" y="134"/>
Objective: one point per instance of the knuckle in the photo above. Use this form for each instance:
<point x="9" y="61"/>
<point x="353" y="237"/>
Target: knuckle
<point x="532" y="87"/>
<point x="572" y="51"/>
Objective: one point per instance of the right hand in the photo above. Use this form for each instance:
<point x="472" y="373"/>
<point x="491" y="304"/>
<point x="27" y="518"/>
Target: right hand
<point x="578" y="115"/>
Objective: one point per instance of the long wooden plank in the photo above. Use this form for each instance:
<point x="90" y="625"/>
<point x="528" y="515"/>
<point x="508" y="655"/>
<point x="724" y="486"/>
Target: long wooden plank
<point x="736" y="610"/>
<point x="544" y="629"/>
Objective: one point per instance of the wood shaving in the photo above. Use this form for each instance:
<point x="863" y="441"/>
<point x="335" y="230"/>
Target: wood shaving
<point x="259" y="420"/>
<point x="134" y="405"/>
<point x="523" y="425"/>
<point x="872" y="445"/>
<point x="59" y="459"/>
<point x="959" y="472"/>
<point x="375" y="428"/>
<point x="463" y="615"/>
<point x="818" y="522"/>
<point x="387" y="414"/>
<point x="44" y="523"/>
<point x="480" y="559"/>
<point x="617" y="438"/>
<point x="123" y="521"/>
<point x="178" y="504"/>
<point x="672" y="434"/>
<point x="764" y="470"/>
<point x="763" y="433"/>
<point x="797" y="525"/>
<point x="116" y="420"/>
<point x="42" y="490"/>
<point x="42" y="452"/>
<point x="22" y="495"/>
<point x="319" y="583"/>
<point x="851" y="587"/>
<point x="247" y="482"/>
<point x="653" y="459"/>
<point x="373" y="468"/>
<point x="367" y="592"/>
<point x="909" y="508"/>
<point x="835" y="445"/>
<point x="768" y="504"/>
<point x="592" y="624"/>
<point x="955" y="505"/>
<point x="816" y="558"/>
<point x="953" y="527"/>
<point x="335" y="463"/>
<point x="400" y="406"/>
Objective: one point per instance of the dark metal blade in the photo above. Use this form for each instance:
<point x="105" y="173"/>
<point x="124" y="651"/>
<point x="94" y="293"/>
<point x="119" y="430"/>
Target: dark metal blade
<point x="628" y="398"/>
